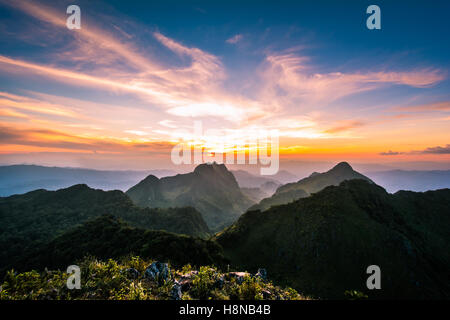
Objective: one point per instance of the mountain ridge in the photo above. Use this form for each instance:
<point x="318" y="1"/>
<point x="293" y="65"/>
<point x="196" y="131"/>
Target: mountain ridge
<point x="311" y="184"/>
<point x="210" y="188"/>
<point x="107" y="237"/>
<point x="322" y="244"/>
<point x="38" y="216"/>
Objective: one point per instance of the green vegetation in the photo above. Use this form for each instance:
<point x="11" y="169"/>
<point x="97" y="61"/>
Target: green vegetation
<point x="35" y="218"/>
<point x="323" y="244"/>
<point x="108" y="237"/>
<point x="211" y="189"/>
<point x="110" y="279"/>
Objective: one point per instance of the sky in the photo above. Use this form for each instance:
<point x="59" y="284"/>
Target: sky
<point x="139" y="76"/>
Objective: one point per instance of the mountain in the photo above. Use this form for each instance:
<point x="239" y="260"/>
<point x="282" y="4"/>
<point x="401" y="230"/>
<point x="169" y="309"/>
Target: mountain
<point x="108" y="237"/>
<point x="269" y="187"/>
<point x="255" y="194"/>
<point x="255" y="187"/>
<point x="264" y="191"/>
<point x="39" y="216"/>
<point x="210" y="188"/>
<point x="247" y="180"/>
<point x="18" y="179"/>
<point x="314" y="183"/>
<point x="284" y="176"/>
<point x="322" y="244"/>
<point x="394" y="180"/>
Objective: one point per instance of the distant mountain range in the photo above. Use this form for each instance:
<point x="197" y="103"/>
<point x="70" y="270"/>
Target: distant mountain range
<point x="19" y="179"/>
<point x="395" y="180"/>
<point x="255" y="187"/>
<point x="323" y="244"/>
<point x="210" y="188"/>
<point x="247" y="180"/>
<point x="314" y="183"/>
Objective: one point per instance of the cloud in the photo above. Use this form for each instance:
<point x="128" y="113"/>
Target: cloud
<point x="390" y="153"/>
<point x="204" y="65"/>
<point x="167" y="123"/>
<point x="431" y="150"/>
<point x="26" y="106"/>
<point x="52" y="140"/>
<point x="347" y="125"/>
<point x="92" y="40"/>
<point x="137" y="132"/>
<point x="235" y="39"/>
<point x="436" y="106"/>
<point x="122" y="66"/>
<point x="436" y="150"/>
<point x="289" y="78"/>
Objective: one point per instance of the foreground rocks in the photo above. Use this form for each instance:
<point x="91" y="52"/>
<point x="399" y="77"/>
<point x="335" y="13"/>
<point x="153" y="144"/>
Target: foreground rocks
<point x="158" y="271"/>
<point x="135" y="279"/>
<point x="201" y="281"/>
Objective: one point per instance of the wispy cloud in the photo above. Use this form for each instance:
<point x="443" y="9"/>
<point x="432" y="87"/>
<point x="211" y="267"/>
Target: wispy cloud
<point x="168" y="123"/>
<point x="436" y="106"/>
<point x="25" y="105"/>
<point x="137" y="132"/>
<point x="235" y="39"/>
<point x="438" y="150"/>
<point x="47" y="139"/>
<point x="294" y="75"/>
<point x="347" y="125"/>
<point x="390" y="153"/>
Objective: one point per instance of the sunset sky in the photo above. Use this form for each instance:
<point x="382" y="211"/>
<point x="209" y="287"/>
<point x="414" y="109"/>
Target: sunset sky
<point x="112" y="94"/>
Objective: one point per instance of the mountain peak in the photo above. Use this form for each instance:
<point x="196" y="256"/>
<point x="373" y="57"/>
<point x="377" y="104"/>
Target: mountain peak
<point x="78" y="187"/>
<point x="211" y="189"/>
<point x="150" y="179"/>
<point x="342" y="166"/>
<point x="207" y="167"/>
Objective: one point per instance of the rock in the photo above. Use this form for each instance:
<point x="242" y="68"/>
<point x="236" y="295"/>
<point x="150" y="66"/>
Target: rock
<point x="262" y="273"/>
<point x="132" y="273"/>
<point x="186" y="279"/>
<point x="175" y="293"/>
<point x="190" y="274"/>
<point x="157" y="271"/>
